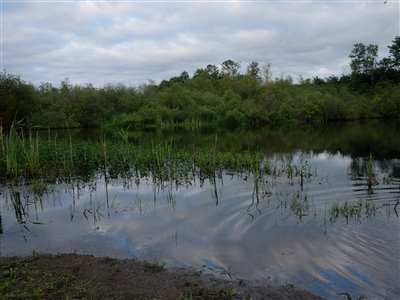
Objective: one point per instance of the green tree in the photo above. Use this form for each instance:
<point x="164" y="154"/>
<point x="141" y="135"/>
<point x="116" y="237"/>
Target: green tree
<point x="212" y="72"/>
<point x="363" y="58"/>
<point x="230" y="68"/>
<point x="253" y="70"/>
<point x="394" y="51"/>
<point x="16" y="98"/>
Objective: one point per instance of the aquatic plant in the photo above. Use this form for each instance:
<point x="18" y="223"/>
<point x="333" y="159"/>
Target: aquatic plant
<point x="370" y="175"/>
<point x="30" y="152"/>
<point x="12" y="151"/>
<point x="299" y="205"/>
<point x="347" y="210"/>
<point x="124" y="134"/>
<point x="289" y="171"/>
<point x="370" y="208"/>
<point x="52" y="159"/>
<point x="19" y="208"/>
<point x="39" y="188"/>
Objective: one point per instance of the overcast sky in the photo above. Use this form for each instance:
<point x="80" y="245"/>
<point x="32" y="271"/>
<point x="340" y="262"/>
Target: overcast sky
<point x="131" y="42"/>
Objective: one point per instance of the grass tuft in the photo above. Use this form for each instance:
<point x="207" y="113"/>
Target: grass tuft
<point x="154" y="265"/>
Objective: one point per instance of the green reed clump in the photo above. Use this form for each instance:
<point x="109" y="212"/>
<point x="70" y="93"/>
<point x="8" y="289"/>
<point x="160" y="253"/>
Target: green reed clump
<point x="30" y="152"/>
<point x="299" y="205"/>
<point x="370" y="208"/>
<point x="347" y="210"/>
<point x="54" y="158"/>
<point x="12" y="151"/>
<point x="19" y="156"/>
<point x="2" y="141"/>
<point x="39" y="188"/>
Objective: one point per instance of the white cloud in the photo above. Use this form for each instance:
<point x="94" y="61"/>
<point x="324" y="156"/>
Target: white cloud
<point x="133" y="42"/>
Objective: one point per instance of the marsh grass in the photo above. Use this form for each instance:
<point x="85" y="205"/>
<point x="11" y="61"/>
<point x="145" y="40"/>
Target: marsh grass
<point x="12" y="149"/>
<point x="39" y="188"/>
<point x="370" y="208"/>
<point x="299" y="205"/>
<point x="30" y="152"/>
<point x="154" y="265"/>
<point x="370" y="175"/>
<point x="54" y="159"/>
<point x="348" y="210"/>
<point x="124" y="134"/>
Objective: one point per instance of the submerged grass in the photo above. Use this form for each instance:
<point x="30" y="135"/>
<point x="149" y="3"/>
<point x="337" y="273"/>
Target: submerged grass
<point x="351" y="210"/>
<point x="299" y="205"/>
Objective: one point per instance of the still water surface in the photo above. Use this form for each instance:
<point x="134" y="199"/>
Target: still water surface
<point x="236" y="226"/>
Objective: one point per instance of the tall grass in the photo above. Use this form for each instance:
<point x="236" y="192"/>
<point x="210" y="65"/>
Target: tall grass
<point x="2" y="140"/>
<point x="54" y="158"/>
<point x="12" y="149"/>
<point x="30" y="151"/>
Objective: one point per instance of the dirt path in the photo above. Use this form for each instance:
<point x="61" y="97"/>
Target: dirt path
<point x="71" y="276"/>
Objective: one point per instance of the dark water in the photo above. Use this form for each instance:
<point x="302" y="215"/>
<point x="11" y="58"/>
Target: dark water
<point x="238" y="226"/>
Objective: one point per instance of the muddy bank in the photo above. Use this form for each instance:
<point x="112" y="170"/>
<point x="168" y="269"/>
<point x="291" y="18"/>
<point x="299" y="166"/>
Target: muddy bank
<point x="75" y="276"/>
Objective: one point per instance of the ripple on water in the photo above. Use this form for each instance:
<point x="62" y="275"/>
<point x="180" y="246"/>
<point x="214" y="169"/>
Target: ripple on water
<point x="229" y="228"/>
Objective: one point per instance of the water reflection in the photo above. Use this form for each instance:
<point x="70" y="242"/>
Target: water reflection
<point x="354" y="139"/>
<point x="275" y="227"/>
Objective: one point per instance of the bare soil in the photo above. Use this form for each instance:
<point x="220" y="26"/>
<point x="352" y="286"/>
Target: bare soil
<point x="72" y="276"/>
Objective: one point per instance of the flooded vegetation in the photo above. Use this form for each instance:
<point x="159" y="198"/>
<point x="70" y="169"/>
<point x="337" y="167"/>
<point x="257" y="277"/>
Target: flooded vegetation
<point x="316" y="207"/>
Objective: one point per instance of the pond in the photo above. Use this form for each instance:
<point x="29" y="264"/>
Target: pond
<point x="324" y="217"/>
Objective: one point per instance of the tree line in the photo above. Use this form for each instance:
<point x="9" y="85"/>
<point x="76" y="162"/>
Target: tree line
<point x="213" y="96"/>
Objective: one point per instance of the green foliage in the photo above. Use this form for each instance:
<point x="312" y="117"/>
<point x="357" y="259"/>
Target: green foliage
<point x="217" y="95"/>
<point x="16" y="98"/>
<point x="394" y="50"/>
<point x="363" y="58"/>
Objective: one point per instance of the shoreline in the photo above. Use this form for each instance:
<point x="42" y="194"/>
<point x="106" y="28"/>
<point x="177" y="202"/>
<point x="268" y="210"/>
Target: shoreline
<point x="73" y="276"/>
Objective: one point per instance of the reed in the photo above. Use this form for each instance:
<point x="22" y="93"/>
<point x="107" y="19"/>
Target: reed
<point x="54" y="158"/>
<point x="2" y="145"/>
<point x="347" y="210"/>
<point x="104" y="149"/>
<point x="20" y="213"/>
<point x="370" y="175"/>
<point x="299" y="205"/>
<point x="12" y="151"/>
<point x="289" y="171"/>
<point x="124" y="134"/>
<point x="30" y="150"/>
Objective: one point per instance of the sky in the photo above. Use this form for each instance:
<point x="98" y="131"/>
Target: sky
<point x="132" y="42"/>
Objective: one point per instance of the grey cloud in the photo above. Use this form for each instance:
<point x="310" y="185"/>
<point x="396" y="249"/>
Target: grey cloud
<point x="134" y="42"/>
